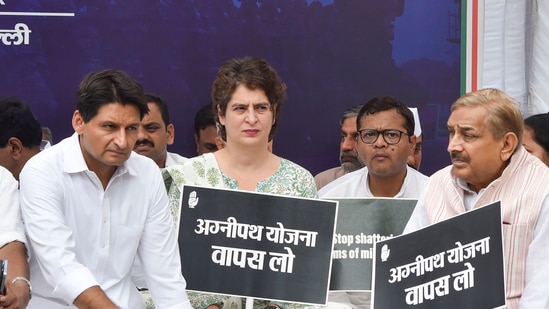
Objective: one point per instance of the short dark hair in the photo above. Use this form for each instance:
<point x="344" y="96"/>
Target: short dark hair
<point x="384" y="103"/>
<point x="540" y="126"/>
<point x="109" y="86"/>
<point x="204" y="118"/>
<point x="162" y="105"/>
<point x="254" y="73"/>
<point x="17" y="120"/>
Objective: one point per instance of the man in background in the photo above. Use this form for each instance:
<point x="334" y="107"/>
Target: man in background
<point x="156" y="133"/>
<point x="47" y="138"/>
<point x="414" y="160"/>
<point x="20" y="134"/>
<point x="205" y="131"/>
<point x="348" y="155"/>
<point x="385" y="141"/>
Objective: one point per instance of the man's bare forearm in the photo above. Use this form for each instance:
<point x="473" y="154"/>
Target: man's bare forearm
<point x="16" y="254"/>
<point x="17" y="294"/>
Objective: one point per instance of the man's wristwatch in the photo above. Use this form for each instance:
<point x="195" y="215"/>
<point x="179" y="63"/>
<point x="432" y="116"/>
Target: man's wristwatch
<point x="27" y="281"/>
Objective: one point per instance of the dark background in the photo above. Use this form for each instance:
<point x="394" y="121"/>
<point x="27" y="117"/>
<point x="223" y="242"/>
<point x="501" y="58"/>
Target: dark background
<point x="332" y="54"/>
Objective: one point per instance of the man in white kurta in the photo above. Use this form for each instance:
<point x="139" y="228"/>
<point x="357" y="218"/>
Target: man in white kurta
<point x="489" y="164"/>
<point x="11" y="226"/>
<point x="12" y="245"/>
<point x="385" y="141"/>
<point x="356" y="184"/>
<point x="91" y="205"/>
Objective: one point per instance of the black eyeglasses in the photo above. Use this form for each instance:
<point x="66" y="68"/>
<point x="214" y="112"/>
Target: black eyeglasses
<point x="391" y="136"/>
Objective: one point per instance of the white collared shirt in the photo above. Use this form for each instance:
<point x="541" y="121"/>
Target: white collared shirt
<point x="11" y="226"/>
<point x="172" y="158"/>
<point x="355" y="184"/>
<point x="82" y="235"/>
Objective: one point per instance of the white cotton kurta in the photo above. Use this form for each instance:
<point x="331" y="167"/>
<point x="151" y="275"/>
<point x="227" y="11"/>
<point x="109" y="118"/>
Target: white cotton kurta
<point x="138" y="276"/>
<point x="172" y="158"/>
<point x="355" y="184"/>
<point x="11" y="226"/>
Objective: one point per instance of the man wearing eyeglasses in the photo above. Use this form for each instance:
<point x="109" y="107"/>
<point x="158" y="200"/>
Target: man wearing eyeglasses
<point x="385" y="141"/>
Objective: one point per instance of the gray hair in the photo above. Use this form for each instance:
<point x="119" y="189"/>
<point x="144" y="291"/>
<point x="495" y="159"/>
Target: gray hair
<point x="351" y="112"/>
